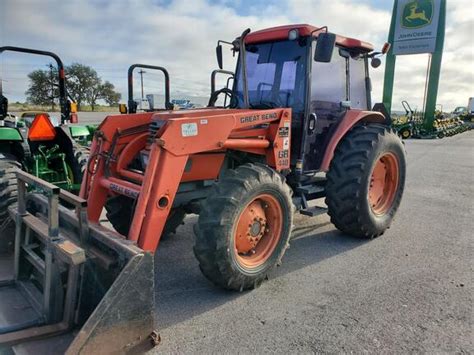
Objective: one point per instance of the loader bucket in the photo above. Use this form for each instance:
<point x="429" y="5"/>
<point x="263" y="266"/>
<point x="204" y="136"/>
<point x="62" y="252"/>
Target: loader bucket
<point x="78" y="287"/>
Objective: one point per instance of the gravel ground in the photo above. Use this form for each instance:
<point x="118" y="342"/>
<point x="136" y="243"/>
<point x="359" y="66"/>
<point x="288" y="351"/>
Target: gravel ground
<point x="407" y="291"/>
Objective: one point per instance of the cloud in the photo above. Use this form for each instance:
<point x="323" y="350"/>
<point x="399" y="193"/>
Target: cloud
<point x="181" y="35"/>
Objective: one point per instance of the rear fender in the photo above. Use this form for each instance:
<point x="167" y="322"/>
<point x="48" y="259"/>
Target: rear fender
<point x="351" y="119"/>
<point x="10" y="134"/>
<point x="78" y="131"/>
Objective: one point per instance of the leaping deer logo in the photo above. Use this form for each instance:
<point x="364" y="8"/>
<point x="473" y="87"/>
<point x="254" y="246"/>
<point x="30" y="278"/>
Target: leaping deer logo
<point x="415" y="14"/>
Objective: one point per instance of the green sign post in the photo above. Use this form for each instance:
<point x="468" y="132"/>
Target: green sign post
<point x="417" y="26"/>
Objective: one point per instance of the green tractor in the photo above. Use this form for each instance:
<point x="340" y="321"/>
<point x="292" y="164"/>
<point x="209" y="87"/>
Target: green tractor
<point x="43" y="146"/>
<point x="412" y="124"/>
<point x="406" y="126"/>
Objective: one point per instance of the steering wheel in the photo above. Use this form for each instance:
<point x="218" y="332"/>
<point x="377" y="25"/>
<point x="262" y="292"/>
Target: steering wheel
<point x="233" y="102"/>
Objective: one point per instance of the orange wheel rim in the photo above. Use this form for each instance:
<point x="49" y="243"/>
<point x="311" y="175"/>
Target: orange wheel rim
<point x="383" y="183"/>
<point x="258" y="231"/>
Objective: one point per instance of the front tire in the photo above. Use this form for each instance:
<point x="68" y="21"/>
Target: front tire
<point x="244" y="227"/>
<point x="120" y="210"/>
<point x="366" y="180"/>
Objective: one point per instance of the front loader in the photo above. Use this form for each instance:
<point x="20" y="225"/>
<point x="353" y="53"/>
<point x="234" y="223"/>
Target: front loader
<point x="297" y="128"/>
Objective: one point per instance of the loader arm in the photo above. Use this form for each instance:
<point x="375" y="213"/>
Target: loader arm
<point x="170" y="141"/>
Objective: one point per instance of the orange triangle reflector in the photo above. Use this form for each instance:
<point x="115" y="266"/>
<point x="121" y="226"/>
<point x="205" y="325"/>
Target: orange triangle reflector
<point x="41" y="129"/>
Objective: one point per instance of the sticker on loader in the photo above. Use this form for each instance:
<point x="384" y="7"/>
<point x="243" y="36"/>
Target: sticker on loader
<point x="189" y="129"/>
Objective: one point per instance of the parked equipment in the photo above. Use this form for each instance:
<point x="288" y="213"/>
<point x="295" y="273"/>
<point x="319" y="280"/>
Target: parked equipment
<point x="245" y="169"/>
<point x="408" y="125"/>
<point x="45" y="147"/>
<point x="412" y="124"/>
<point x="465" y="113"/>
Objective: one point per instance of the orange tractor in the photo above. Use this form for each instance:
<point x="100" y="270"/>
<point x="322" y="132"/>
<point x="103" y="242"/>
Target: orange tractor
<point x="299" y="106"/>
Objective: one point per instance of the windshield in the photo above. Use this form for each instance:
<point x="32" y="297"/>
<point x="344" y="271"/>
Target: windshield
<point x="275" y="74"/>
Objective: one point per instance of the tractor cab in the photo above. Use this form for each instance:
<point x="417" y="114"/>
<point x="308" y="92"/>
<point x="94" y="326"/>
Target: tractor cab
<point x="319" y="75"/>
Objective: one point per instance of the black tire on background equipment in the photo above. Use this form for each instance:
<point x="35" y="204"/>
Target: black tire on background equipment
<point x="405" y="133"/>
<point x="221" y="218"/>
<point x="120" y="211"/>
<point x="350" y="180"/>
<point x="81" y="158"/>
<point x="8" y="197"/>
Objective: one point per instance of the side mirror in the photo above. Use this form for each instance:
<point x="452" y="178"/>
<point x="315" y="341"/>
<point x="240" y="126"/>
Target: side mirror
<point x="375" y="62"/>
<point x="219" y="56"/>
<point x="324" y="47"/>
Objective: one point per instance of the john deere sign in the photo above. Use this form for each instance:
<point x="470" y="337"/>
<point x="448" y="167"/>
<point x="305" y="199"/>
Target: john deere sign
<point x="416" y="26"/>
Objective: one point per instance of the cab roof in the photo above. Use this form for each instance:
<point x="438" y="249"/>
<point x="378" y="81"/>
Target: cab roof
<point x="281" y="33"/>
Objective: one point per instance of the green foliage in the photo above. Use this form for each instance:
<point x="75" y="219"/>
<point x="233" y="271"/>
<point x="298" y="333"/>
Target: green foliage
<point x="41" y="87"/>
<point x="83" y="84"/>
<point x="109" y="95"/>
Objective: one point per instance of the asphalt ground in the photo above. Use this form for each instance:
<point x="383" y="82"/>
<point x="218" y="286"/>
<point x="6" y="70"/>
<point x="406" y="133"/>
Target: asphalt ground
<point x="407" y="291"/>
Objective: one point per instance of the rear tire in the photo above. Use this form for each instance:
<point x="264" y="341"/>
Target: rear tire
<point x="120" y="210"/>
<point x="8" y="197"/>
<point x="244" y="227"/>
<point x="81" y="159"/>
<point x="366" y="180"/>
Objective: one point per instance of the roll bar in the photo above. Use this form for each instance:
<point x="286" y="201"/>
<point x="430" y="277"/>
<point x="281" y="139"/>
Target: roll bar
<point x="214" y="74"/>
<point x="132" y="107"/>
<point x="64" y="103"/>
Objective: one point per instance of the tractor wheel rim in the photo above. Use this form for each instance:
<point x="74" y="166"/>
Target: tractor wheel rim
<point x="383" y="183"/>
<point x="406" y="134"/>
<point x="258" y="231"/>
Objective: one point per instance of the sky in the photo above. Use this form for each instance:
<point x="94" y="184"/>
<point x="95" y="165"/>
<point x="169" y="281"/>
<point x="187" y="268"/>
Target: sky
<point x="181" y="36"/>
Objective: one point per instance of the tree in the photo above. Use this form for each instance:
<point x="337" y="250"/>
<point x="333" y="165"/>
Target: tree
<point x="83" y="85"/>
<point x="106" y="92"/>
<point x="39" y="91"/>
<point x="109" y="95"/>
<point x="81" y="81"/>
